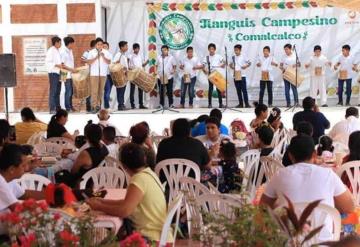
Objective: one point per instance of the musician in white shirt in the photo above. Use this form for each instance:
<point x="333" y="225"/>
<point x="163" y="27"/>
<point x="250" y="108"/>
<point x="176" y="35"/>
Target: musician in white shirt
<point x="122" y="58"/>
<point x="189" y="67"/>
<point x="99" y="60"/>
<point x="266" y="63"/>
<point x="289" y="60"/>
<point x="67" y="58"/>
<point x="317" y="65"/>
<point x="346" y="64"/>
<point x="166" y="66"/>
<point x="136" y="61"/>
<point x="84" y="59"/>
<point x="210" y="64"/>
<point x="109" y="82"/>
<point x="239" y="64"/>
<point x="54" y="64"/>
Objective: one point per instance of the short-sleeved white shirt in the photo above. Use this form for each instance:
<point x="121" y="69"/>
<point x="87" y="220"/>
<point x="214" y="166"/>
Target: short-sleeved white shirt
<point x="239" y="62"/>
<point x="215" y="62"/>
<point x="288" y="60"/>
<point x="266" y="65"/>
<point x="135" y="61"/>
<point x="305" y="183"/>
<point x="169" y="63"/>
<point x="189" y="64"/>
<point x="16" y="189"/>
<point x="346" y="63"/>
<point x="94" y="67"/>
<point x="67" y="57"/>
<point x="7" y="199"/>
<point x="318" y="62"/>
<point x="53" y="58"/>
<point x="121" y="58"/>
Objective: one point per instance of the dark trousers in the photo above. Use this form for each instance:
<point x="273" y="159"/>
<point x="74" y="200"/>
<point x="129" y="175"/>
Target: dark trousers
<point x="169" y="91"/>
<point x="287" y="92"/>
<point x="211" y="89"/>
<point x="107" y="91"/>
<point x="241" y="91"/>
<point x="120" y="93"/>
<point x="68" y="94"/>
<point x="132" y="93"/>
<point x="54" y="91"/>
<point x="263" y="85"/>
<point x="341" y="90"/>
<point x="185" y="87"/>
<point x="88" y="104"/>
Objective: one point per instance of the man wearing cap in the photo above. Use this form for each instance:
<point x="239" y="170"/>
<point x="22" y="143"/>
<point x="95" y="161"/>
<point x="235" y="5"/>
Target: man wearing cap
<point x="312" y="115"/>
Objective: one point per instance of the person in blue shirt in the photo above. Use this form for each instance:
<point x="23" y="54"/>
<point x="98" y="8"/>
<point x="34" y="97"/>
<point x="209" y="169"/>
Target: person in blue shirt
<point x="312" y="115"/>
<point x="200" y="129"/>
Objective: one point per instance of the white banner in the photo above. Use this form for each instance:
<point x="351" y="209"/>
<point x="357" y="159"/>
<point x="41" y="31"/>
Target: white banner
<point x="330" y="28"/>
<point x="34" y="55"/>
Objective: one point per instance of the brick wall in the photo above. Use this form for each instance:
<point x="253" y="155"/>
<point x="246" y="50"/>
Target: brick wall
<point x="33" y="90"/>
<point x="0" y="14"/>
<point x="80" y="12"/>
<point x="33" y="13"/>
<point x="1" y="90"/>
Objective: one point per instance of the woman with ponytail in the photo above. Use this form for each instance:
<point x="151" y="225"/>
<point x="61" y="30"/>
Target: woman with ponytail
<point x="261" y="113"/>
<point x="92" y="156"/>
<point x="56" y="126"/>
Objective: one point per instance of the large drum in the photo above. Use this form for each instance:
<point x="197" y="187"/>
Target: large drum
<point x="142" y="79"/>
<point x="81" y="82"/>
<point x="118" y="75"/>
<point x="290" y="75"/>
<point x="218" y="80"/>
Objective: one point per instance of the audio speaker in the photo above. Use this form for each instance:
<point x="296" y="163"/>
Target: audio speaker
<point x="7" y="70"/>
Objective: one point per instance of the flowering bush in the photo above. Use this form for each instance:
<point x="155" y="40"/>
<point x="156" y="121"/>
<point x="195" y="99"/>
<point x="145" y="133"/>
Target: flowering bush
<point x="134" y="240"/>
<point x="32" y="224"/>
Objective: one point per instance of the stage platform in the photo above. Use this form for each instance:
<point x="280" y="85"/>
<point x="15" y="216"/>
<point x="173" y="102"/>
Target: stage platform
<point x="158" y="121"/>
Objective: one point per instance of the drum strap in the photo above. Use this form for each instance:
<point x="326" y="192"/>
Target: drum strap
<point x="233" y="60"/>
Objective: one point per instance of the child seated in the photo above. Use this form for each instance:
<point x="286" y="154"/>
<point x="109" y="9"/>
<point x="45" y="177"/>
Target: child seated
<point x="265" y="136"/>
<point x="325" y="149"/>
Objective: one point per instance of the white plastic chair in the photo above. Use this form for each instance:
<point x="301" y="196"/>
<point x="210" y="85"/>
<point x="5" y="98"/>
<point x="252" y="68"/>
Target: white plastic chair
<point x="352" y="171"/>
<point x="278" y="136"/>
<point x="111" y="162"/>
<point x="270" y="166"/>
<point x="192" y="189"/>
<point x="65" y="142"/>
<point x="48" y="148"/>
<point x="106" y="177"/>
<point x="174" y="208"/>
<point x="251" y="161"/>
<point x="37" y="138"/>
<point x="340" y="147"/>
<point x="279" y="149"/>
<point x="318" y="217"/>
<point x="222" y="204"/>
<point x="33" y="182"/>
<point x="174" y="169"/>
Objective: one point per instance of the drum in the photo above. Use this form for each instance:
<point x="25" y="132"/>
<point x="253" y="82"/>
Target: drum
<point x="81" y="82"/>
<point x="144" y="80"/>
<point x="290" y="75"/>
<point x="265" y="76"/>
<point x="118" y="75"/>
<point x="63" y="75"/>
<point x="237" y="75"/>
<point x="218" y="80"/>
<point x="343" y="75"/>
<point x="187" y="78"/>
<point x="318" y="71"/>
<point x="132" y="74"/>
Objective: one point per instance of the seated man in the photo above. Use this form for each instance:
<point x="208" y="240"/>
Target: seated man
<point x="200" y="129"/>
<point x="304" y="182"/>
<point x="213" y="136"/>
<point x="104" y="117"/>
<point x="108" y="138"/>
<point x="266" y="135"/>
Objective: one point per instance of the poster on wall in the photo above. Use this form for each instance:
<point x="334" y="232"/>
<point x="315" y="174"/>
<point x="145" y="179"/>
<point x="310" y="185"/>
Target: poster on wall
<point x="254" y="26"/>
<point x="34" y="55"/>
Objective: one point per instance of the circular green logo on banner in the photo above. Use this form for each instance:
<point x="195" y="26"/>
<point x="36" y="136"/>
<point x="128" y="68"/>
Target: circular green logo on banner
<point x="176" y="31"/>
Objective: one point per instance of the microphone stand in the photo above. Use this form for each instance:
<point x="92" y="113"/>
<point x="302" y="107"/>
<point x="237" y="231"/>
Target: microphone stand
<point x="163" y="108"/>
<point x="296" y="104"/>
<point x="226" y="107"/>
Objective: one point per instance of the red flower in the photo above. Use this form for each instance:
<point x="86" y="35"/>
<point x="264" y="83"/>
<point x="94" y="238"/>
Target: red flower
<point x="30" y="203"/>
<point x="12" y="218"/>
<point x="57" y="216"/>
<point x="15" y="245"/>
<point x="68" y="237"/>
<point x="43" y="205"/>
<point x="19" y="208"/>
<point x="26" y="241"/>
<point x="134" y="239"/>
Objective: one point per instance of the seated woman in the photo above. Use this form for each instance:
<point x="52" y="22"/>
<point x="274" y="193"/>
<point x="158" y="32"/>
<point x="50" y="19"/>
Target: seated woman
<point x="92" y="156"/>
<point x="325" y="150"/>
<point x="144" y="202"/>
<point x="354" y="147"/>
<point x="56" y="126"/>
<point x="261" y="113"/>
<point x="29" y="126"/>
<point x="274" y="120"/>
<point x="140" y="134"/>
